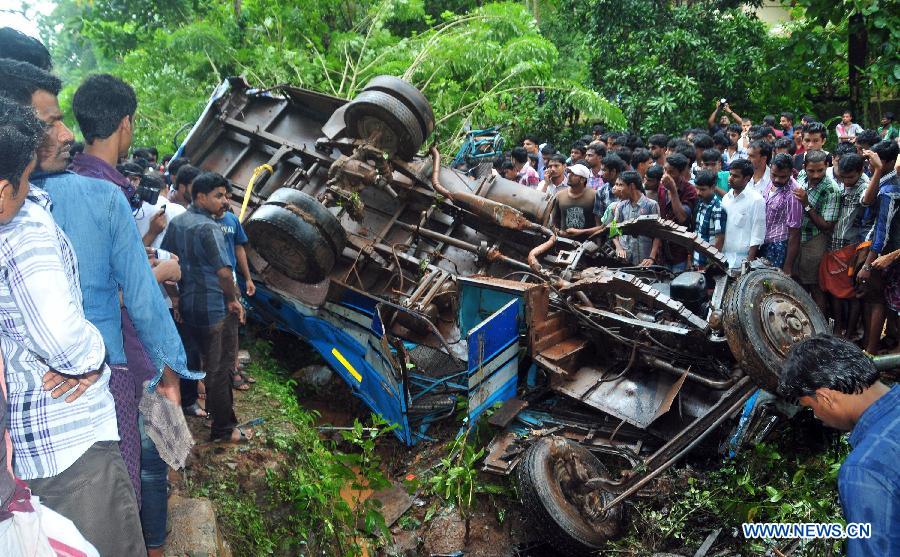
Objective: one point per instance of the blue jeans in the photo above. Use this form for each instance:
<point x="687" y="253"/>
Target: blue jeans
<point x="154" y="487"/>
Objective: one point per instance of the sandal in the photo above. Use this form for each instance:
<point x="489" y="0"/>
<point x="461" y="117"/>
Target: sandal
<point x="242" y="439"/>
<point x="195" y="410"/>
<point x="238" y="383"/>
<point x="246" y="378"/>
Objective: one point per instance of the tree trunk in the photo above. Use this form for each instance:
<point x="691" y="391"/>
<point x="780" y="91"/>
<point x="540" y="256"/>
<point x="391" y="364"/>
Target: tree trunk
<point x="857" y="53"/>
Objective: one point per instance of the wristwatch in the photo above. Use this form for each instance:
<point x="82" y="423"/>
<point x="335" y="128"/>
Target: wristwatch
<point x="866" y="267"/>
<point x="807" y="209"/>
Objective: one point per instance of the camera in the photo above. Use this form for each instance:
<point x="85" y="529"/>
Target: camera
<point x="147" y="191"/>
<point x="722" y="102"/>
<point x="147" y="188"/>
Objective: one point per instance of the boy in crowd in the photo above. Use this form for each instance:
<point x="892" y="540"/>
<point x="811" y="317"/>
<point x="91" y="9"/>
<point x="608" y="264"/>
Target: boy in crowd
<point x="787" y="124"/>
<point x="594" y="158"/>
<point x="577" y="152"/>
<point x="651" y="182"/>
<point x="712" y="162"/>
<point x="734" y="151"/>
<point x="710" y="219"/>
<point x="641" y="161"/>
<point x="839" y="151"/>
<point x="849" y="231"/>
<point x="702" y="142"/>
<point x="677" y="198"/>
<point x="658" y="143"/>
<point x="525" y="173"/>
<point x="611" y="167"/>
<point x="846" y="129"/>
<point x="554" y="175"/>
<point x="531" y="144"/>
<point x="181" y="189"/>
<point x="888" y="130"/>
<point x="745" y="224"/>
<point x="820" y="197"/>
<point x="638" y="250"/>
<point x="784" y="215"/>
<point x="814" y="135"/>
<point x="783" y="145"/>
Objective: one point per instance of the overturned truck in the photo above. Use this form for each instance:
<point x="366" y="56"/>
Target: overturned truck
<point x="420" y="284"/>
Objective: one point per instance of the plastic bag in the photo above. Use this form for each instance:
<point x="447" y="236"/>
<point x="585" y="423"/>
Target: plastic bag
<point x="42" y="533"/>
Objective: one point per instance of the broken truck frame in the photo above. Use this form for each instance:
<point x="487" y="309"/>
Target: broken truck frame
<point x="419" y="284"/>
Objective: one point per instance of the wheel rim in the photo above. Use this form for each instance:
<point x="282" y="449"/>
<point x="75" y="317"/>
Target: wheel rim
<point x="571" y="472"/>
<point x="785" y="321"/>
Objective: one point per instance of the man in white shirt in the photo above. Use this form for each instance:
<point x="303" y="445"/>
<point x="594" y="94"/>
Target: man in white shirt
<point x="745" y="228"/>
<point x="759" y="154"/>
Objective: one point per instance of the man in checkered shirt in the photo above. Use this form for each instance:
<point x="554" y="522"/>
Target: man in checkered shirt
<point x="710" y="218"/>
<point x="820" y="197"/>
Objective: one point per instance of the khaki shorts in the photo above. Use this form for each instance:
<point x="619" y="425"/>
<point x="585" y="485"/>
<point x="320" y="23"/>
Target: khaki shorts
<point x="809" y="259"/>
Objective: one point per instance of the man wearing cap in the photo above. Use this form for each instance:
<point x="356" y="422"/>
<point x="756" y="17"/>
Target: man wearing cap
<point x="574" y="212"/>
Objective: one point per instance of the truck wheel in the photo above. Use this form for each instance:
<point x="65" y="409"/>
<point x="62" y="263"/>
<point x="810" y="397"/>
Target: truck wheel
<point x="766" y="312"/>
<point x="558" y="505"/>
<point x="379" y="115"/>
<point x="296" y="235"/>
<point x="406" y="93"/>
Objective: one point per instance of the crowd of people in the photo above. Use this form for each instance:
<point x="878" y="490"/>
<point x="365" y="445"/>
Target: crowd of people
<point x="750" y="190"/>
<point x="120" y="306"/>
<point x="121" y="275"/>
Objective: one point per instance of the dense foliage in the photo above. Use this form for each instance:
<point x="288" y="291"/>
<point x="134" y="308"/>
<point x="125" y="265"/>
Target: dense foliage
<point x="551" y="67"/>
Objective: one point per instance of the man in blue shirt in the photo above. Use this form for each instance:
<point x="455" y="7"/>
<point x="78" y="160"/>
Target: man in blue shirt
<point x="235" y="240"/>
<point x="839" y="382"/>
<point x="209" y="306"/>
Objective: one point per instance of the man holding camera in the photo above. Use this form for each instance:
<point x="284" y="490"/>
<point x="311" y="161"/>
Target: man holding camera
<point x="725" y="110"/>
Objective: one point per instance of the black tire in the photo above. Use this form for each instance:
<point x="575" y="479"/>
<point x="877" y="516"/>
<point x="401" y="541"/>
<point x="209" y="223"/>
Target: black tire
<point x="409" y="95"/>
<point x="550" y="513"/>
<point x="376" y="111"/>
<point x="322" y="216"/>
<point x="766" y="312"/>
<point x="296" y="235"/>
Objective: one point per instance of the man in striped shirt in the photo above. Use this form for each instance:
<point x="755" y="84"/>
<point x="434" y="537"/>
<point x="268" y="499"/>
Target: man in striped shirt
<point x="64" y="446"/>
<point x="784" y="215"/>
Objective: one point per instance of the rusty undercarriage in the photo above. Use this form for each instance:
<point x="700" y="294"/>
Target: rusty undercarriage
<point x="420" y="284"/>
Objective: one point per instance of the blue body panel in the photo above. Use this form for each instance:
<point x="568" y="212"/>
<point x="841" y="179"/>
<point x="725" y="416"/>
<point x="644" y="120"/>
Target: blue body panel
<point x="338" y="338"/>
<point x="348" y="334"/>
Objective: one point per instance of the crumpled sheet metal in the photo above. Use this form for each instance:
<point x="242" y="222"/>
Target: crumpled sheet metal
<point x="639" y="397"/>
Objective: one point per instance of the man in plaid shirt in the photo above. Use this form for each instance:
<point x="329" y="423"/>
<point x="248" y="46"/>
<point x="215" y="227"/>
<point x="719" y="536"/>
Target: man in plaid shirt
<point x="710" y="217"/>
<point x="849" y="231"/>
<point x="820" y="197"/>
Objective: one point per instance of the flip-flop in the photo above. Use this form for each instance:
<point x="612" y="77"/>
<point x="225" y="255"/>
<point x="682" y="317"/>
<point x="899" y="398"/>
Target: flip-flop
<point x="242" y="439"/>
<point x="195" y="410"/>
<point x="247" y="378"/>
<point x="238" y="383"/>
